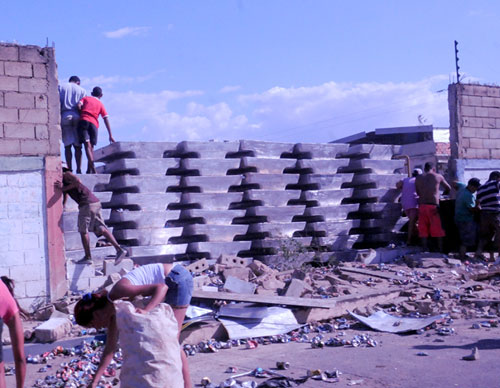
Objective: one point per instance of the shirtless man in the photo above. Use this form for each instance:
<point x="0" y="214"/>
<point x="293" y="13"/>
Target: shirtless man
<point x="429" y="222"/>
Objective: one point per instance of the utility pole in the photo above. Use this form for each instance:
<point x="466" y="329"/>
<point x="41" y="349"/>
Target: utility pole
<point x="456" y="62"/>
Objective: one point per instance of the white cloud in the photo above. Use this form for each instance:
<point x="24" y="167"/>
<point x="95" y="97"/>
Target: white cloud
<point x="111" y="81"/>
<point x="122" y="32"/>
<point x="318" y="113"/>
<point x="230" y="89"/>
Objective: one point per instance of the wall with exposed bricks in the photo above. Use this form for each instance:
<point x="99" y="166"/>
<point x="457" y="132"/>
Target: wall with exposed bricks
<point x="30" y="138"/>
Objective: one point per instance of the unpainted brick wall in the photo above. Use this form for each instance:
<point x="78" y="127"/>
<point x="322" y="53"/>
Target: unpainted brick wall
<point x="474" y="121"/>
<point x="29" y="102"/>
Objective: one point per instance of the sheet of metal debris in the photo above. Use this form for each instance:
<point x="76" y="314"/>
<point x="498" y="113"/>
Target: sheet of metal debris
<point x="382" y="321"/>
<point x="277" y="320"/>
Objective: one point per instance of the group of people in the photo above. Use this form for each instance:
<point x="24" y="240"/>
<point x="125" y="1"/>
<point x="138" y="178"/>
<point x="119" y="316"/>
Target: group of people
<point x="476" y="215"/>
<point x="80" y="122"/>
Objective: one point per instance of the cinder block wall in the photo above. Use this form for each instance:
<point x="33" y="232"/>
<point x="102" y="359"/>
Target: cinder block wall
<point x="32" y="245"/>
<point x="474" y="129"/>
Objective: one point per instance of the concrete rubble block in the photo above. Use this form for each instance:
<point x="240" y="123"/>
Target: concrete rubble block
<point x="212" y="217"/>
<point x="213" y="249"/>
<point x="372" y="151"/>
<point x="198" y="266"/>
<point x="110" y="267"/>
<point x="269" y="181"/>
<point x="324" y="181"/>
<point x="209" y="167"/>
<point x="139" y="219"/>
<point x="215" y="232"/>
<point x="56" y="328"/>
<point x="156" y="166"/>
<point x="200" y="281"/>
<point x="277" y="244"/>
<point x="295" y="288"/>
<point x="234" y="261"/>
<point x="381" y="195"/>
<point x="298" y="274"/>
<point x="103" y="197"/>
<point x="242" y="273"/>
<point x="330" y="213"/>
<point x="142" y="183"/>
<point x="375" y="180"/>
<point x="133" y="150"/>
<point x="320" y="150"/>
<point x="269" y="282"/>
<point x="266" y="165"/>
<point x="70" y="219"/>
<point x="211" y="184"/>
<point x="276" y="213"/>
<point x="151" y="236"/>
<point x="145" y="201"/>
<point x="282" y="229"/>
<point x="238" y="286"/>
<point x="156" y="253"/>
<point x="271" y="197"/>
<point x="259" y="268"/>
<point x="337" y="243"/>
<point x="207" y="150"/>
<point x="266" y="149"/>
<point x="331" y="228"/>
<point x="112" y="279"/>
<point x="374" y="166"/>
<point x="212" y="201"/>
<point x="325" y="197"/>
<point x="321" y="166"/>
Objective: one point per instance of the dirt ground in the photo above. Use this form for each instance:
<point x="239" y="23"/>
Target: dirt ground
<point x="394" y="362"/>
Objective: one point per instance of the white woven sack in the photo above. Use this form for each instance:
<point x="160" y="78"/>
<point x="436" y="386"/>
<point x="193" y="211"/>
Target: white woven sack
<point x="151" y="351"/>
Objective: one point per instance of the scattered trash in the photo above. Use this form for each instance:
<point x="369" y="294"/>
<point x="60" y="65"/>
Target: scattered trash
<point x="473" y="356"/>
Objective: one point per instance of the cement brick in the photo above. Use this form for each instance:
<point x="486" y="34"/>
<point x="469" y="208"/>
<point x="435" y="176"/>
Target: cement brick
<point x="234" y="261"/>
<point x="10" y="147"/>
<point x="32" y="54"/>
<point x="23" y="69"/>
<point x="2" y="103"/>
<point x="479" y="90"/>
<point x="482" y="133"/>
<point x="41" y="132"/>
<point x="19" y="100"/>
<point x="483" y="153"/>
<point x="25" y="273"/>
<point x="489" y="122"/>
<point x="490" y="102"/>
<point x="471" y="101"/>
<point x="468" y="110"/>
<point x="198" y="266"/>
<point x="11" y="259"/>
<point x="9" y="115"/>
<point x="494" y="133"/>
<point x="33" y="256"/>
<point x="111" y="268"/>
<point x="480" y="111"/>
<point x="33" y="85"/>
<point x="465" y="142"/>
<point x="36" y="116"/>
<point x="11" y="226"/>
<point x="9" y="83"/>
<point x="494" y="92"/>
<point x="32" y="226"/>
<point x="495" y="154"/>
<point x="494" y="112"/>
<point x="39" y="70"/>
<point x="34" y="147"/>
<point x="54" y="329"/>
<point x="35" y="289"/>
<point x="19" y="131"/>
<point x="9" y="53"/>
<point x="41" y="101"/>
<point x="474" y="122"/>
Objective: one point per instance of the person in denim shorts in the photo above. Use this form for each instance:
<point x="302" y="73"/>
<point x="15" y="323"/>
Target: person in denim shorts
<point x="168" y="283"/>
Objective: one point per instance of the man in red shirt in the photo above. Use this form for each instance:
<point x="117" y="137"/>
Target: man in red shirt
<point x="90" y="108"/>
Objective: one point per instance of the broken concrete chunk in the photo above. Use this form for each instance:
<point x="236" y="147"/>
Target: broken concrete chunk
<point x="259" y="268"/>
<point x="242" y="273"/>
<point x="298" y="274"/>
<point x="54" y="329"/>
<point x="111" y="280"/>
<point x="200" y="281"/>
<point x="234" y="261"/>
<point x="296" y="288"/>
<point x="269" y="282"/>
<point x="238" y="286"/>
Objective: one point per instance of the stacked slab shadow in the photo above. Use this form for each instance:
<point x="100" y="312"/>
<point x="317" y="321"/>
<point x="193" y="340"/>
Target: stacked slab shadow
<point x="378" y="220"/>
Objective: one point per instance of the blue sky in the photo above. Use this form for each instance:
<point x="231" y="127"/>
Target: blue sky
<point x="276" y="70"/>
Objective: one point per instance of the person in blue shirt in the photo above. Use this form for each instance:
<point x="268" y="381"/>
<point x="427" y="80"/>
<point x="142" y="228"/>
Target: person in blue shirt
<point x="465" y="208"/>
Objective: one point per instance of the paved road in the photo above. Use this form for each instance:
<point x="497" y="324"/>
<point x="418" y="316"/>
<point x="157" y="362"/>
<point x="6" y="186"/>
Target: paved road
<point x="393" y="363"/>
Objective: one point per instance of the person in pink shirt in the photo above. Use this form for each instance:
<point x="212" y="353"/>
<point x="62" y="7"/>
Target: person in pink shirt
<point x="90" y="109"/>
<point x="409" y="202"/>
<point x="9" y="314"/>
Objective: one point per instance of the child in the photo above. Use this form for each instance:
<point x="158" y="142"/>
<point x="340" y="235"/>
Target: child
<point x="90" y="108"/>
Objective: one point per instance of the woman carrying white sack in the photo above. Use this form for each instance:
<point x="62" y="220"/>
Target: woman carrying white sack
<point x="163" y="283"/>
